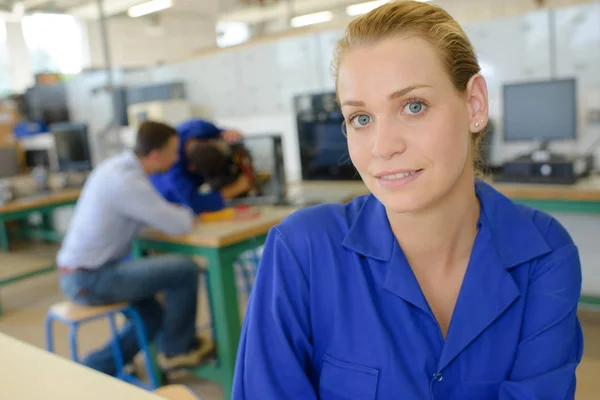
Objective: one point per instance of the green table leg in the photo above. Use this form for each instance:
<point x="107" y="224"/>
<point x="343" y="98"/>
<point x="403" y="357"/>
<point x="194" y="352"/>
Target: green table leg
<point x="47" y="222"/>
<point x="3" y="237"/>
<point x="223" y="294"/>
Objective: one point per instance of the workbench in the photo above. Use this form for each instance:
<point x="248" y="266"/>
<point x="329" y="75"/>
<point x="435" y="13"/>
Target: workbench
<point x="582" y="197"/>
<point x="220" y="244"/>
<point x="32" y="373"/>
<point x="19" y="210"/>
<point x="43" y="203"/>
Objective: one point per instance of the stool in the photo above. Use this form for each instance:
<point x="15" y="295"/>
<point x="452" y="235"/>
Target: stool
<point x="177" y="392"/>
<point x="74" y="315"/>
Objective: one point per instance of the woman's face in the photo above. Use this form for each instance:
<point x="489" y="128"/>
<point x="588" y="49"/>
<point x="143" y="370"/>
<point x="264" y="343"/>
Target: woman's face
<point x="408" y="127"/>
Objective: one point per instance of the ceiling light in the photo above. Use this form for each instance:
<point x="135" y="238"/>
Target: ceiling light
<point x="149" y="7"/>
<point x="363" y="8"/>
<point x="311" y="19"/>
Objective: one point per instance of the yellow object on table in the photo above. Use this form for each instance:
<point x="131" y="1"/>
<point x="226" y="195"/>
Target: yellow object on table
<point x="222" y="215"/>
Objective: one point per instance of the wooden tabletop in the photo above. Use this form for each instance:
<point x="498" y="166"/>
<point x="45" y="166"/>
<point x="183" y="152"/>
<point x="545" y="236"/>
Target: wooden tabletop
<point x="40" y="200"/>
<point x="31" y="373"/>
<point x="587" y="189"/>
<point x="223" y="233"/>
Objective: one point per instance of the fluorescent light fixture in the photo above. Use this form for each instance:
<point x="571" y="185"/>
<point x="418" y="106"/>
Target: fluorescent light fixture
<point x="363" y="8"/>
<point x="149" y="7"/>
<point x="311" y="19"/>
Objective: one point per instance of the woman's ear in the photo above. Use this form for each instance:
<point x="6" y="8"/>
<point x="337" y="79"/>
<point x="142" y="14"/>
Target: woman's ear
<point x="477" y="103"/>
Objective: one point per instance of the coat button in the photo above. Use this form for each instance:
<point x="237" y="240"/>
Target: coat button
<point x="438" y="377"/>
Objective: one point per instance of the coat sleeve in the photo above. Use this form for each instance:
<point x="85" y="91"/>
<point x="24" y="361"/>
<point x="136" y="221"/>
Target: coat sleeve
<point x="551" y="343"/>
<point x="186" y="192"/>
<point x="275" y="347"/>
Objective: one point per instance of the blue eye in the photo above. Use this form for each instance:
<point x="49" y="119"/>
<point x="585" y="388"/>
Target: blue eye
<point x="414" y="108"/>
<point x="361" y="120"/>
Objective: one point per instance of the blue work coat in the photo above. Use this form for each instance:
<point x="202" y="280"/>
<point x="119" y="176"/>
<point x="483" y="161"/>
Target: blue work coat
<point x="179" y="185"/>
<point x="336" y="312"/>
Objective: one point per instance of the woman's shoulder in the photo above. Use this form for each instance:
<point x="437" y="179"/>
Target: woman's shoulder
<point x="521" y="223"/>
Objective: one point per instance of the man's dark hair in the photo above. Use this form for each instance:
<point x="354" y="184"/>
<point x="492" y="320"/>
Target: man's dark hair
<point x="208" y="161"/>
<point x="152" y="136"/>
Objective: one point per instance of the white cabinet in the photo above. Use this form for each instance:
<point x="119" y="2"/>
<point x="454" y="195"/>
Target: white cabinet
<point x="327" y="43"/>
<point x="213" y="84"/>
<point x="297" y="61"/>
<point x="512" y="49"/>
<point x="261" y="79"/>
<point x="273" y="73"/>
<point x="578" y="43"/>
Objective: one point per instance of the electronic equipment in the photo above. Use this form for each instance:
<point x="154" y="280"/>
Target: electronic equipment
<point x="47" y="104"/>
<point x="156" y="93"/>
<point x="557" y="170"/>
<point x="37" y="158"/>
<point x="72" y="147"/>
<point x="261" y="156"/>
<point x="266" y="151"/>
<point x="323" y="146"/>
<point x="541" y="111"/>
<point x="39" y="151"/>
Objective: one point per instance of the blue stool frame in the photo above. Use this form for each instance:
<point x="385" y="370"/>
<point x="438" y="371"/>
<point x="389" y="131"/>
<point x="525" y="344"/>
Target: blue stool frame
<point x="135" y="318"/>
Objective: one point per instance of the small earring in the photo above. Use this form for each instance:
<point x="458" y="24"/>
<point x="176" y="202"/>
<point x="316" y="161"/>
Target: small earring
<point x="477" y="124"/>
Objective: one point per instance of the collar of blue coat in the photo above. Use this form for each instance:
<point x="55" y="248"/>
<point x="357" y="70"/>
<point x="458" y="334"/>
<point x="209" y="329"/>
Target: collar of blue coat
<point x="507" y="237"/>
<point x="512" y="233"/>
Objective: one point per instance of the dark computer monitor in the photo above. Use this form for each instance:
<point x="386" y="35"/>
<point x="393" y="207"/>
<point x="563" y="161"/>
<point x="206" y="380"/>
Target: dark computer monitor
<point x="72" y="147"/>
<point x="37" y="158"/>
<point x="540" y="111"/>
<point x="266" y="151"/>
<point x="323" y="146"/>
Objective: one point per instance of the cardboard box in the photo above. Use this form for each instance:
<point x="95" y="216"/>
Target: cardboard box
<point x="9" y="116"/>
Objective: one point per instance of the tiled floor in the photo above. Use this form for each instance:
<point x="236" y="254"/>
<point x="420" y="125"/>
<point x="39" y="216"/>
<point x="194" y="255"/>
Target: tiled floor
<point x="26" y="303"/>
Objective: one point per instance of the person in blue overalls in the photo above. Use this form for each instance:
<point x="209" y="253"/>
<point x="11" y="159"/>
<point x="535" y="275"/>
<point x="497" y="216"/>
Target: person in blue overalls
<point x="181" y="183"/>
<point x="434" y="286"/>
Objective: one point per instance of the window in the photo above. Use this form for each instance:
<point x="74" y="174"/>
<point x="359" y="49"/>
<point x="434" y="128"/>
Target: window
<point x="55" y="42"/>
<point x="5" y="87"/>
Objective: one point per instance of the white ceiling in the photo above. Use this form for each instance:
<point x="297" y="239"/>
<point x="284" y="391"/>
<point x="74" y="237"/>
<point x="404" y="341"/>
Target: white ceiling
<point x="239" y="10"/>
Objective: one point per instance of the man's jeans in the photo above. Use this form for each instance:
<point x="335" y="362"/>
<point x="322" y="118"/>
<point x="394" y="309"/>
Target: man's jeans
<point x="138" y="282"/>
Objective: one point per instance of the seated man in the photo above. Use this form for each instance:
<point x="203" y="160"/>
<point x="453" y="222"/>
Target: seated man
<point x="181" y="183"/>
<point x="115" y="202"/>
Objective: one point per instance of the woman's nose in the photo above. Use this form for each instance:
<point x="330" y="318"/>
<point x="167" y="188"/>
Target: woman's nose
<point x="388" y="140"/>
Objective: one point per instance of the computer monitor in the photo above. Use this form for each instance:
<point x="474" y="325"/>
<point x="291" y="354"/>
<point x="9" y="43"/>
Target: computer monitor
<point x="323" y="145"/>
<point x="72" y="147"/>
<point x="37" y="158"/>
<point x="266" y="151"/>
<point x="540" y="111"/>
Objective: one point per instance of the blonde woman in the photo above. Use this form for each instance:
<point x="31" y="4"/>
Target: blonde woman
<point x="435" y="286"/>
